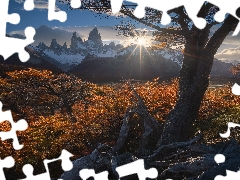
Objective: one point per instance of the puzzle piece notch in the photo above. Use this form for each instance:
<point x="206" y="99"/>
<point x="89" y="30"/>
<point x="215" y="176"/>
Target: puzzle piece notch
<point x="75" y="3"/>
<point x="192" y="8"/>
<point x="66" y="166"/>
<point x="5" y="17"/>
<point x="53" y="15"/>
<point x="230" y="125"/>
<point x="236" y="89"/>
<point x="137" y="167"/>
<point x="28" y="171"/>
<point x="21" y="125"/>
<point x="219" y="158"/>
<point x="9" y="46"/>
<point x="87" y="173"/>
<point x="29" y="5"/>
<point x="7" y="162"/>
<point x="66" y="162"/>
<point x="229" y="176"/>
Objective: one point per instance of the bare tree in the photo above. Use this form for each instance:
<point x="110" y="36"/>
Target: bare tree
<point x="200" y="46"/>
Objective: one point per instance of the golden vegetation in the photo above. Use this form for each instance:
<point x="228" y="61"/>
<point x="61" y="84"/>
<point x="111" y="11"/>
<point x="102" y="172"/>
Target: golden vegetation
<point x="43" y="99"/>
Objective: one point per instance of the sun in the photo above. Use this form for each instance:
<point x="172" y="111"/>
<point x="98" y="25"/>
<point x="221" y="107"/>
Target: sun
<point x="144" y="41"/>
<point x="141" y="41"/>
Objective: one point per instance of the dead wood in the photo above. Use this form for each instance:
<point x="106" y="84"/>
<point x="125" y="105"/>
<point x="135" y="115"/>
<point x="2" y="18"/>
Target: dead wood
<point x="180" y="160"/>
<point x="123" y="132"/>
<point x="173" y="146"/>
<point x="152" y="129"/>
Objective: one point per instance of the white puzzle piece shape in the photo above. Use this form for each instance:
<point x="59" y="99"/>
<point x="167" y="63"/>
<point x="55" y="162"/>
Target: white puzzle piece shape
<point x="21" y="125"/>
<point x="9" y="46"/>
<point x="8" y="162"/>
<point x="137" y="167"/>
<point x="87" y="173"/>
<point x="192" y="8"/>
<point x="66" y="166"/>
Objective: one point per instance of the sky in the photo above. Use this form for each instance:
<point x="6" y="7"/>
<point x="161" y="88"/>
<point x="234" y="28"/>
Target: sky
<point x="83" y="22"/>
<point x="80" y="21"/>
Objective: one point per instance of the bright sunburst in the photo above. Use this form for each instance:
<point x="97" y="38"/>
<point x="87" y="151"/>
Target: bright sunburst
<point x="141" y="41"/>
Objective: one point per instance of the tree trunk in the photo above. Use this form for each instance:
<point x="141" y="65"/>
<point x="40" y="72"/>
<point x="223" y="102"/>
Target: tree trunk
<point x="180" y="120"/>
<point x="194" y="80"/>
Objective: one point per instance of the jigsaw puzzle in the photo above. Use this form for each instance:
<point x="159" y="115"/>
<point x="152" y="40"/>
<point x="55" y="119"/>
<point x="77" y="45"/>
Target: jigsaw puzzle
<point x="192" y="8"/>
<point x="230" y="125"/>
<point x="136" y="167"/>
<point x="52" y="14"/>
<point x="9" y="46"/>
<point x="66" y="166"/>
<point x="87" y="173"/>
<point x="21" y="125"/>
<point x="7" y="162"/>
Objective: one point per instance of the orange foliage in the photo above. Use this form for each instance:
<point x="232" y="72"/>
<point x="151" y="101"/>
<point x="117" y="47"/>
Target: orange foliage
<point x="98" y="113"/>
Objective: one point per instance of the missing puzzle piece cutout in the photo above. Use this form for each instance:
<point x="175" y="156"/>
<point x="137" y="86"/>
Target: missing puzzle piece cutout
<point x="236" y="89"/>
<point x="137" y="167"/>
<point x="192" y="8"/>
<point x="87" y="173"/>
<point x="230" y="125"/>
<point x="52" y="14"/>
<point x="66" y="166"/>
<point x="230" y="175"/>
<point x="9" y="46"/>
<point x="8" y="162"/>
<point x="21" y="125"/>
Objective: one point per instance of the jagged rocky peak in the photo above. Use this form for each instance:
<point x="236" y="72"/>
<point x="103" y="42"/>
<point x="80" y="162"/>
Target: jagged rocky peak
<point x="75" y="38"/>
<point x="95" y="37"/>
<point x="112" y="45"/>
<point x="76" y="43"/>
<point x="42" y="46"/>
<point x="55" y="46"/>
<point x="64" y="46"/>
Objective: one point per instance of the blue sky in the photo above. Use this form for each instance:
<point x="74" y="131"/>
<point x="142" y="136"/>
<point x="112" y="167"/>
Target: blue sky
<point x="82" y="22"/>
<point x="38" y="16"/>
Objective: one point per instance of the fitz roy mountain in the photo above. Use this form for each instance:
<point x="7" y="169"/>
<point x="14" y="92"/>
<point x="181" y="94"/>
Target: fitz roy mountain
<point x="67" y="57"/>
<point x="92" y="60"/>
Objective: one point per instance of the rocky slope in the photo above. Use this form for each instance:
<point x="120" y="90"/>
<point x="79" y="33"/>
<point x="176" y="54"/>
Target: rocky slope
<point x="36" y="61"/>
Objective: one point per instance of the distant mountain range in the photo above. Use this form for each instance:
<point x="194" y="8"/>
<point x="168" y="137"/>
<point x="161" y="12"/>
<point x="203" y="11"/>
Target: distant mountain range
<point x="109" y="69"/>
<point x="91" y="60"/>
<point x="36" y="61"/>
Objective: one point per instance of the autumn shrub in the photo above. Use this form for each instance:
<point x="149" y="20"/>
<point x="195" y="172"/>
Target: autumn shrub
<point x="98" y="110"/>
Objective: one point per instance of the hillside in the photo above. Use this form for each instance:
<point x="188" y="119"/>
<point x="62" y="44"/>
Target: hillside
<point x="115" y="69"/>
<point x="36" y="61"/>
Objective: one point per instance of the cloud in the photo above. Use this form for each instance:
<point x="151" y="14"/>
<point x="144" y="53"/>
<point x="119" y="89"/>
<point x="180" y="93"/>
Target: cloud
<point x="19" y="1"/>
<point x="40" y="4"/>
<point x="229" y="54"/>
<point x="232" y="40"/>
<point x="46" y="34"/>
<point x="107" y="32"/>
<point x="63" y="34"/>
